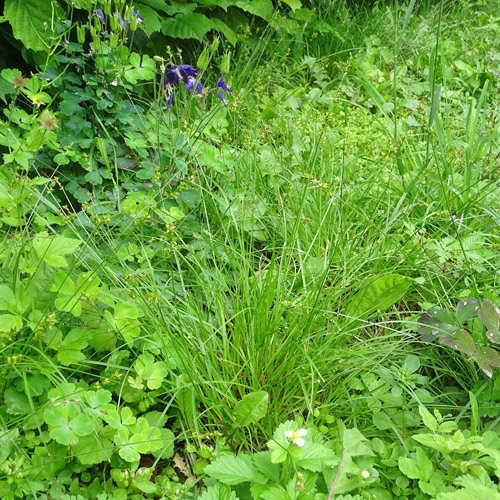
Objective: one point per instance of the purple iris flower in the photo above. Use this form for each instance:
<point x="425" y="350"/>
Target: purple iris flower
<point x="194" y="85"/>
<point x="175" y="73"/>
<point x="125" y="24"/>
<point x="169" y="100"/>
<point x="221" y="86"/>
<point x="100" y="14"/>
<point x="137" y="16"/>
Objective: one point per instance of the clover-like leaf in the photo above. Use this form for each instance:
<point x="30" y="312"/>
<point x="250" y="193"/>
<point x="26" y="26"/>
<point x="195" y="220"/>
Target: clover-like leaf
<point x="487" y="359"/>
<point x="435" y="323"/>
<point x="147" y="369"/>
<point x="83" y="425"/>
<point x="466" y="309"/>
<point x="57" y="418"/>
<point x="462" y="341"/>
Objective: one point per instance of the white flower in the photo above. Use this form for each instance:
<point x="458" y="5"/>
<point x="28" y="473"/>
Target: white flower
<point x="297" y="436"/>
<point x="365" y="474"/>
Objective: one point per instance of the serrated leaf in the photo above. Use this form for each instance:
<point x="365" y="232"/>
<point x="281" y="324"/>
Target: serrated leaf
<point x="251" y="408"/>
<point x="53" y="248"/>
<point x="186" y="26"/>
<point x="428" y="419"/>
<point x="31" y="21"/>
<point x="409" y="468"/>
<point x="377" y="294"/>
<point x="7" y="299"/>
<point x="233" y="470"/>
<point x="218" y="491"/>
<point x="316" y="456"/>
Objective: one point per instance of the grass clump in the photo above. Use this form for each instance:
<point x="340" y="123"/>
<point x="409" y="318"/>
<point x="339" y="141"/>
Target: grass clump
<point x="236" y="301"/>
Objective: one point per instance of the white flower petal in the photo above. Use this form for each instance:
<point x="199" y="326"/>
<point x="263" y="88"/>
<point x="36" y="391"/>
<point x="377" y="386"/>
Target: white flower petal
<point x="302" y="432"/>
<point x="365" y="474"/>
<point x="288" y="434"/>
<point x="300" y="442"/>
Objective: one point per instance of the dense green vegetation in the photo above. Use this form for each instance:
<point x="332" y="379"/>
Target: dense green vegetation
<point x="249" y="250"/>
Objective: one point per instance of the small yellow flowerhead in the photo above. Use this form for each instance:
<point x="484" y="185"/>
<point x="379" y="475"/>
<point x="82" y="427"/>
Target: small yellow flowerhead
<point x="297" y="436"/>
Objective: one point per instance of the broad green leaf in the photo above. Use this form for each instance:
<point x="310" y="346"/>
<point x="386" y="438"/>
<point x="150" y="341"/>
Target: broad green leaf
<point x="260" y="8"/>
<point x="9" y="322"/>
<point x="6" y="438"/>
<point x="251" y="408"/>
<point x="377" y="294"/>
<point x="7" y="299"/>
<point x="53" y="248"/>
<point x="409" y="468"/>
<point x="31" y="21"/>
<point x="185" y="26"/>
<point x="293" y="4"/>
<point x="223" y="28"/>
<point x="151" y="20"/>
<point x="411" y="363"/>
<point x="425" y="466"/>
<point x="262" y="462"/>
<point x="234" y="470"/>
<point x="354" y="444"/>
<point x="428" y="419"/>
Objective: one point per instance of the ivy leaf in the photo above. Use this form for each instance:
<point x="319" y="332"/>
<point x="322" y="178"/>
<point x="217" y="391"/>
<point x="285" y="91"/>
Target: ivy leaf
<point x="30" y="21"/>
<point x="52" y="249"/>
<point x="250" y="408"/>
